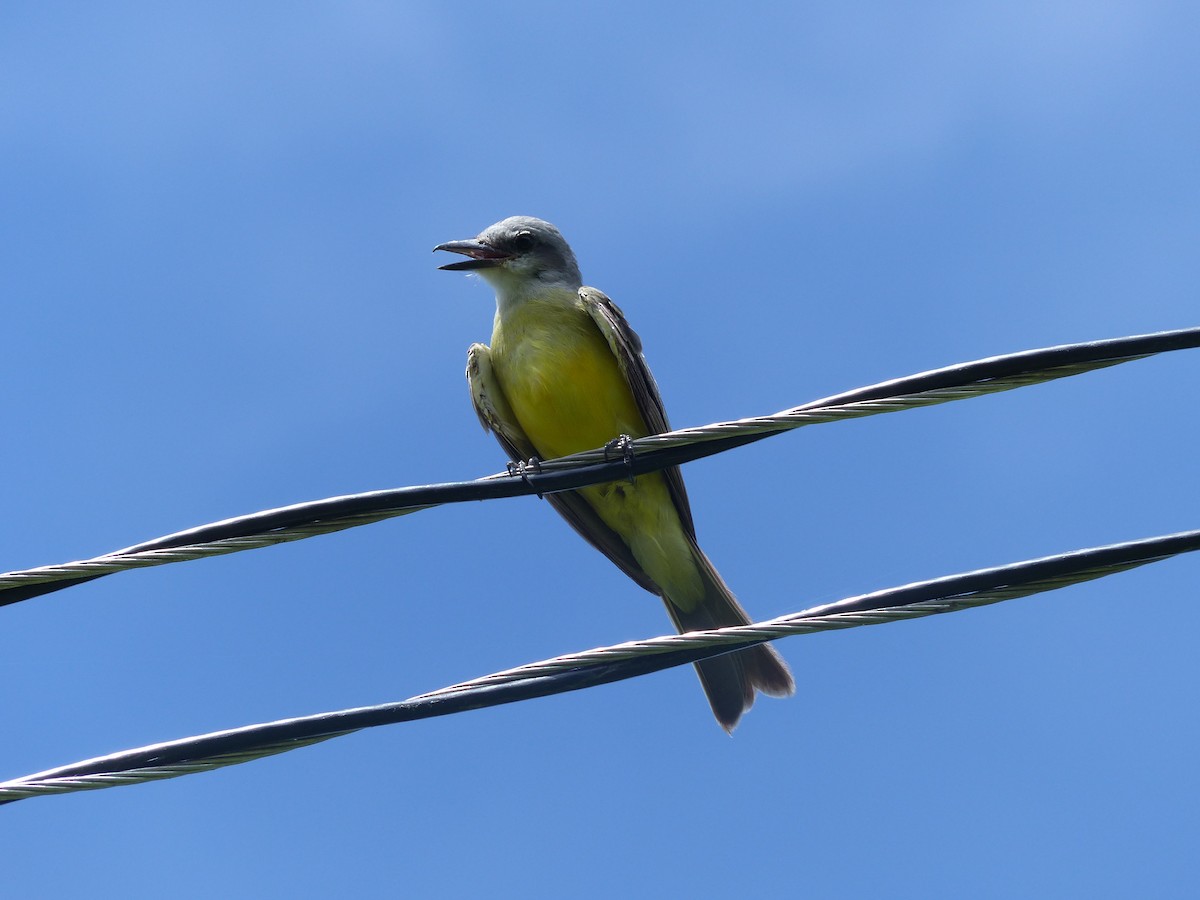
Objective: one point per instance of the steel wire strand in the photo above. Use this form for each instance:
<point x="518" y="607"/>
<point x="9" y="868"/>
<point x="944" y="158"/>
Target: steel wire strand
<point x="600" y="666"/>
<point x="302" y="520"/>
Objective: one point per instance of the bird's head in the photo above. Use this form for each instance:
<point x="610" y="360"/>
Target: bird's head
<point x="518" y="256"/>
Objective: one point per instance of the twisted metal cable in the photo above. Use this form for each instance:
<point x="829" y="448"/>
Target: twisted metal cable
<point x="83" y="570"/>
<point x="600" y="666"/>
<point x="291" y="523"/>
<point x="36" y="786"/>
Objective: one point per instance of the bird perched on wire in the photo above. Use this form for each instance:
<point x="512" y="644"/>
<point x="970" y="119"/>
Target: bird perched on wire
<point x="565" y="373"/>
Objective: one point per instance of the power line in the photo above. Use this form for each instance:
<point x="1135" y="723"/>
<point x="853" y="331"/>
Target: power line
<point x="303" y="520"/>
<point x="602" y="665"/>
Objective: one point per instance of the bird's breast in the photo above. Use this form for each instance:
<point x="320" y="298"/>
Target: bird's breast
<point x="562" y="380"/>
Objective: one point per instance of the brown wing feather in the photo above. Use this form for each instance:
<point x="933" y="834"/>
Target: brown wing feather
<point x="730" y="680"/>
<point x="627" y="348"/>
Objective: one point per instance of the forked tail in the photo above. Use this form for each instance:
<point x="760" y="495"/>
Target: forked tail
<point x="730" y="680"/>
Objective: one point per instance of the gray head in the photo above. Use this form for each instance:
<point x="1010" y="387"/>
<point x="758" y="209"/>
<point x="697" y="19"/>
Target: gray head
<point x="520" y="254"/>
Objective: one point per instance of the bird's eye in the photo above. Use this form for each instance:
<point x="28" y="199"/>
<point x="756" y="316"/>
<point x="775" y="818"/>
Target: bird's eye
<point x="523" y="242"/>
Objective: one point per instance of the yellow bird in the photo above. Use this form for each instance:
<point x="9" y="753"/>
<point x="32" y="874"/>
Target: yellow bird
<point x="565" y="373"/>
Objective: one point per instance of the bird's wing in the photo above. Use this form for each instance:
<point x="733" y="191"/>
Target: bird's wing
<point x="496" y="415"/>
<point x="627" y="348"/>
<point x="492" y="406"/>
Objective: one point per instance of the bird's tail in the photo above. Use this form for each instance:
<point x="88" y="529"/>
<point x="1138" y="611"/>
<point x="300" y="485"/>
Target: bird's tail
<point x="730" y="680"/>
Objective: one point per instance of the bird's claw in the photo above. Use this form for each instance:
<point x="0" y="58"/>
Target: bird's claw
<point x="521" y="468"/>
<point x="622" y="444"/>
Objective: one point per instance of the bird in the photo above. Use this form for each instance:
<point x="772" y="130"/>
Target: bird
<point x="565" y="373"/>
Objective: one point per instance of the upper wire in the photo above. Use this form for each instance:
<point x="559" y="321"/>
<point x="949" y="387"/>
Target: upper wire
<point x="303" y="520"/>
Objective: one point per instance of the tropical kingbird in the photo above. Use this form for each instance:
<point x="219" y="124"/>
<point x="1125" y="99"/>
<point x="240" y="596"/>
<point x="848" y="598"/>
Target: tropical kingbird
<point x="565" y="373"/>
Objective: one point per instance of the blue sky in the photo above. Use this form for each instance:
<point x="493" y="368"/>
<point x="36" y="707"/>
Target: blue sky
<point x="219" y="297"/>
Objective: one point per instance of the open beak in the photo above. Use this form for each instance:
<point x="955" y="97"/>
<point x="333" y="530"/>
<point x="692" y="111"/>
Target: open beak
<point x="481" y="255"/>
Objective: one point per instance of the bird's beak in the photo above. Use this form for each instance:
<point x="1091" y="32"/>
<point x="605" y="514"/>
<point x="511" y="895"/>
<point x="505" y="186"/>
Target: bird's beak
<point x="482" y="256"/>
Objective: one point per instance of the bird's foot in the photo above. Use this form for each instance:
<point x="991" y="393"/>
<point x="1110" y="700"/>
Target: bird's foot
<point x="522" y="468"/>
<point x="624" y="446"/>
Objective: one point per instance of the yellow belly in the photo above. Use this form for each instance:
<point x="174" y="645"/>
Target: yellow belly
<point x="568" y="393"/>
